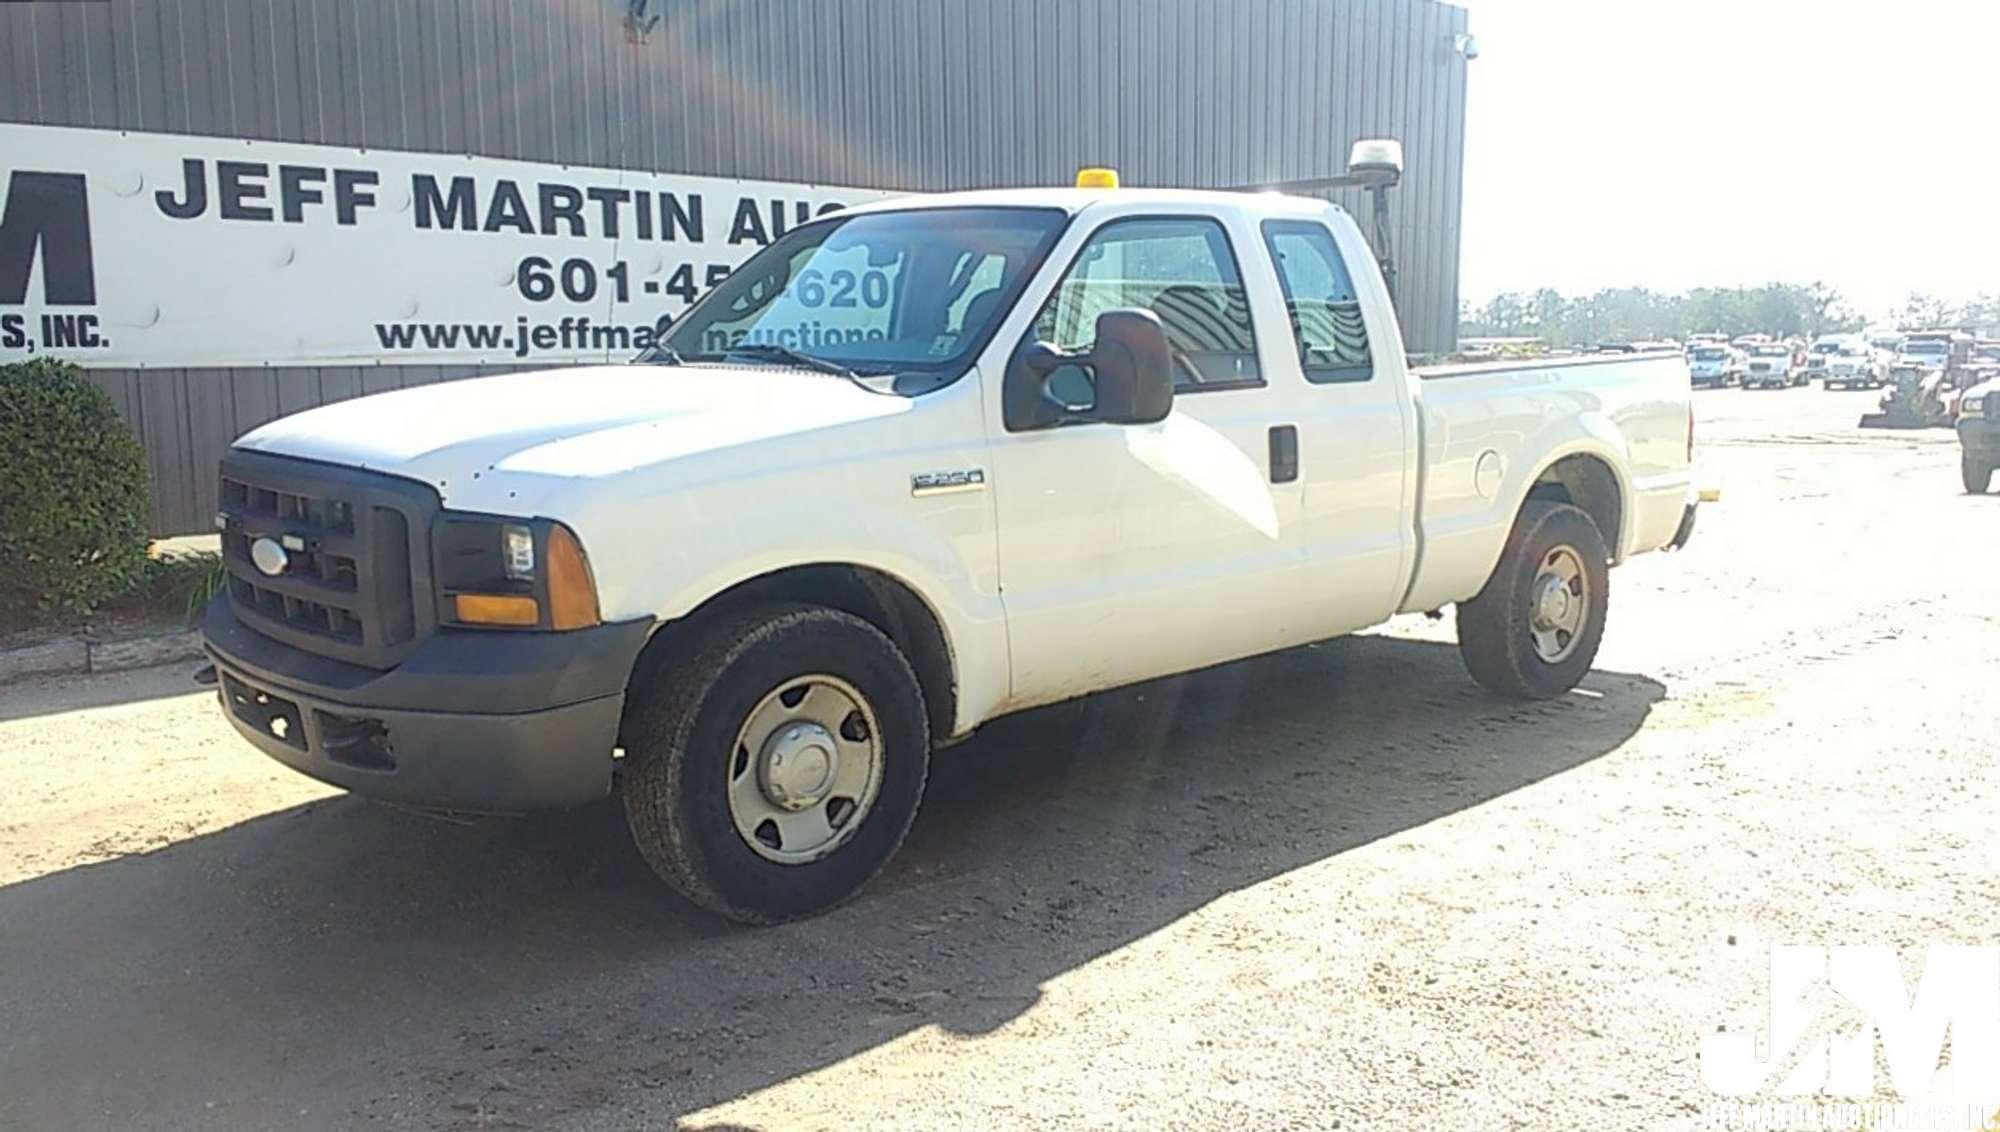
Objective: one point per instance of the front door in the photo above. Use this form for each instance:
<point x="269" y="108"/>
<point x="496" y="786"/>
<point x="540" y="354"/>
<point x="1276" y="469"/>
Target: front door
<point x="1130" y="551"/>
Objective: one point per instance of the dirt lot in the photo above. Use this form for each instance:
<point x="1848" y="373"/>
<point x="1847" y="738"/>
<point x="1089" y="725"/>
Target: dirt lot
<point x="1337" y="887"/>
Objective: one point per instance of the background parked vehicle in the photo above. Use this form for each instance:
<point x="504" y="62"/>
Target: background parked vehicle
<point x="1925" y="381"/>
<point x="1979" y="435"/>
<point x="1933" y="351"/>
<point x="1912" y="398"/>
<point x="1847" y="361"/>
<point x="1888" y="342"/>
<point x="1985" y="355"/>
<point x="1771" y="367"/>
<point x="1715" y="365"/>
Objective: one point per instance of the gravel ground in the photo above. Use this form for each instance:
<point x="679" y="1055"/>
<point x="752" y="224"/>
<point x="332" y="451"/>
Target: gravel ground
<point x="1336" y="887"/>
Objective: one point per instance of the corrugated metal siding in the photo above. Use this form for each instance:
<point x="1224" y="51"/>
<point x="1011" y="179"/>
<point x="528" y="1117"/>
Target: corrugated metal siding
<point x="911" y="94"/>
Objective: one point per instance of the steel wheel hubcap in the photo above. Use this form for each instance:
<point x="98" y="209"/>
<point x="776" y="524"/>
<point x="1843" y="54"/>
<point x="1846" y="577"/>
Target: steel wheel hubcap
<point x="805" y="769"/>
<point x="1561" y="604"/>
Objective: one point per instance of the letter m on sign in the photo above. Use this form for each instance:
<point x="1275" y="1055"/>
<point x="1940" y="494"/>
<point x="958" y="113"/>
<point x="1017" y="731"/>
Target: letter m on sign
<point x="49" y="213"/>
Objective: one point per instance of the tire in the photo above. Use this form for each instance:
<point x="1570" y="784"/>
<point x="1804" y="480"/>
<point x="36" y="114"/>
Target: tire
<point x="687" y="738"/>
<point x="1977" y="474"/>
<point x="1497" y="628"/>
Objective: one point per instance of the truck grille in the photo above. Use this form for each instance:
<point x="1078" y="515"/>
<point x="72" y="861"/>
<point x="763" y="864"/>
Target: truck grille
<point x="353" y="581"/>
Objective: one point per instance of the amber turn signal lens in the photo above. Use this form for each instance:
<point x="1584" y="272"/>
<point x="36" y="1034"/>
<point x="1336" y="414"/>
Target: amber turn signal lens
<point x="572" y="590"/>
<point x="497" y="609"/>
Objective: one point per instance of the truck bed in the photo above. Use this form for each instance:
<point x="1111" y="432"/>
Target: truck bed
<point x="1476" y="421"/>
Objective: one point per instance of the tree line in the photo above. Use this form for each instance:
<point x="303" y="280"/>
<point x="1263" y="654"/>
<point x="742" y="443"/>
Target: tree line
<point x="1627" y="314"/>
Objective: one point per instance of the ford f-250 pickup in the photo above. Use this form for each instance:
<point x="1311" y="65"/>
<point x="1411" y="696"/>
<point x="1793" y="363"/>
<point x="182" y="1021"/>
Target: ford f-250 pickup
<point x="914" y="466"/>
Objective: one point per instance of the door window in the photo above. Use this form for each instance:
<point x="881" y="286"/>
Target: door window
<point x="1181" y="269"/>
<point x="1327" y="328"/>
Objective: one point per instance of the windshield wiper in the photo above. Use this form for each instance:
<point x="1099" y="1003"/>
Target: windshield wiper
<point x="771" y="351"/>
<point x="661" y="354"/>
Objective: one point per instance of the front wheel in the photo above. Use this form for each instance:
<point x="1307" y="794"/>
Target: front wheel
<point x="775" y="765"/>
<point x="1534" y="629"/>
<point x="1977" y="474"/>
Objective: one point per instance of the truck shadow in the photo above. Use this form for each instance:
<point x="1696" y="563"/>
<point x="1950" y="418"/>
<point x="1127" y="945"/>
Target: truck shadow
<point x="341" y="961"/>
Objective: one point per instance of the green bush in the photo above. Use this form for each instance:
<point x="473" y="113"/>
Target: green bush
<point x="73" y="495"/>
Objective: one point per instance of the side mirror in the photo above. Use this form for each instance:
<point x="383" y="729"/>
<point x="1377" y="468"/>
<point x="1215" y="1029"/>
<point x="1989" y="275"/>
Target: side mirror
<point x="1126" y="377"/>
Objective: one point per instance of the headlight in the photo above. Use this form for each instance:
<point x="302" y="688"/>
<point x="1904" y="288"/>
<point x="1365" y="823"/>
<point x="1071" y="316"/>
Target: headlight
<point x="1972" y="407"/>
<point x="517" y="543"/>
<point x="507" y="573"/>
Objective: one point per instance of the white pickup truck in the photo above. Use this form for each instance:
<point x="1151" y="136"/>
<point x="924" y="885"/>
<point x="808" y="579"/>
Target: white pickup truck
<point x="912" y="467"/>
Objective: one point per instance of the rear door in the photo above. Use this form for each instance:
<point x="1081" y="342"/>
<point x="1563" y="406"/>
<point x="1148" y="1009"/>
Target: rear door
<point x="1356" y="428"/>
<point x="1130" y="551"/>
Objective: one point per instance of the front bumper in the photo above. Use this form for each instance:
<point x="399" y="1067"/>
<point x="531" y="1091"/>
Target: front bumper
<point x="494" y="722"/>
<point x="1980" y="437"/>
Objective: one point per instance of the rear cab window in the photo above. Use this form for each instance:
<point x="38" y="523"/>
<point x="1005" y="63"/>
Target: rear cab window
<point x="1329" y="333"/>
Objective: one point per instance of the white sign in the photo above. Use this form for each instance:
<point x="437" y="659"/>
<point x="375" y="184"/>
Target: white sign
<point x="1958" y="992"/>
<point x="124" y="249"/>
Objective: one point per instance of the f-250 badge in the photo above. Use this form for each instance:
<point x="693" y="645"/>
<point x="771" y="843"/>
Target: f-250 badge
<point x="941" y="483"/>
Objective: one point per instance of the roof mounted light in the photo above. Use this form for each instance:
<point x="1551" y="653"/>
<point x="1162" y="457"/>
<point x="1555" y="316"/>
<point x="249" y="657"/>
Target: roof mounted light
<point x="1376" y="161"/>
<point x="1096" y="177"/>
<point x="1373" y="163"/>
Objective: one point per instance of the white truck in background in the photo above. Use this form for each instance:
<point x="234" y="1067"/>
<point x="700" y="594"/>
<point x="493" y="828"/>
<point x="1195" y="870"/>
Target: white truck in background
<point x="1847" y="361"/>
<point x="914" y="466"/>
<point x="1714" y="364"/>
<point x="1771" y="367"/>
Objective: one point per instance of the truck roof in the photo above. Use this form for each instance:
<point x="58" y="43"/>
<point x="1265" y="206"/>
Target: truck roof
<point x="1072" y="200"/>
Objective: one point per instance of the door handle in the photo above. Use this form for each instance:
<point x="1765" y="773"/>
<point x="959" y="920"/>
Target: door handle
<point x="1284" y="453"/>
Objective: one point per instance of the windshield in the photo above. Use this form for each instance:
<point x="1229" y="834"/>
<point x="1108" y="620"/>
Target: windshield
<point x="879" y="293"/>
<point x="1932" y="347"/>
<point x="1772" y="352"/>
<point x="1708" y="354"/>
<point x="1831" y="346"/>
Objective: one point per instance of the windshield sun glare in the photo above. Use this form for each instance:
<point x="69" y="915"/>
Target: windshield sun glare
<point x="877" y="293"/>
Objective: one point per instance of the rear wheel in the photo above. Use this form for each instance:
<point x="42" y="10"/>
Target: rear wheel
<point x="1977" y="474"/>
<point x="775" y="765"/>
<point x="1534" y="629"/>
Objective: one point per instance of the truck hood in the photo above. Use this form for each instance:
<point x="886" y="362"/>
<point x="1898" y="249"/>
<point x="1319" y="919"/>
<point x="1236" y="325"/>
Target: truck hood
<point x="583" y="422"/>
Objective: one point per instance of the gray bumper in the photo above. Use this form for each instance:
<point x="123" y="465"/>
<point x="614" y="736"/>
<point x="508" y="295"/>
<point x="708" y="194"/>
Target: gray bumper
<point x="1980" y="436"/>
<point x="490" y="722"/>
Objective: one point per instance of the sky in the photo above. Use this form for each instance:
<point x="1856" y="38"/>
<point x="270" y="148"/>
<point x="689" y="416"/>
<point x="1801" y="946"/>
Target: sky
<point x="1682" y="143"/>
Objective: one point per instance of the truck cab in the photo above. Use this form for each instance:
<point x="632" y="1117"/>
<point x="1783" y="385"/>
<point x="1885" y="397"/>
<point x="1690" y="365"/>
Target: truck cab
<point x="1847" y="361"/>
<point x="1770" y="367"/>
<point x="1714" y="364"/>
<point x="1934" y="351"/>
<point x="914" y="466"/>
